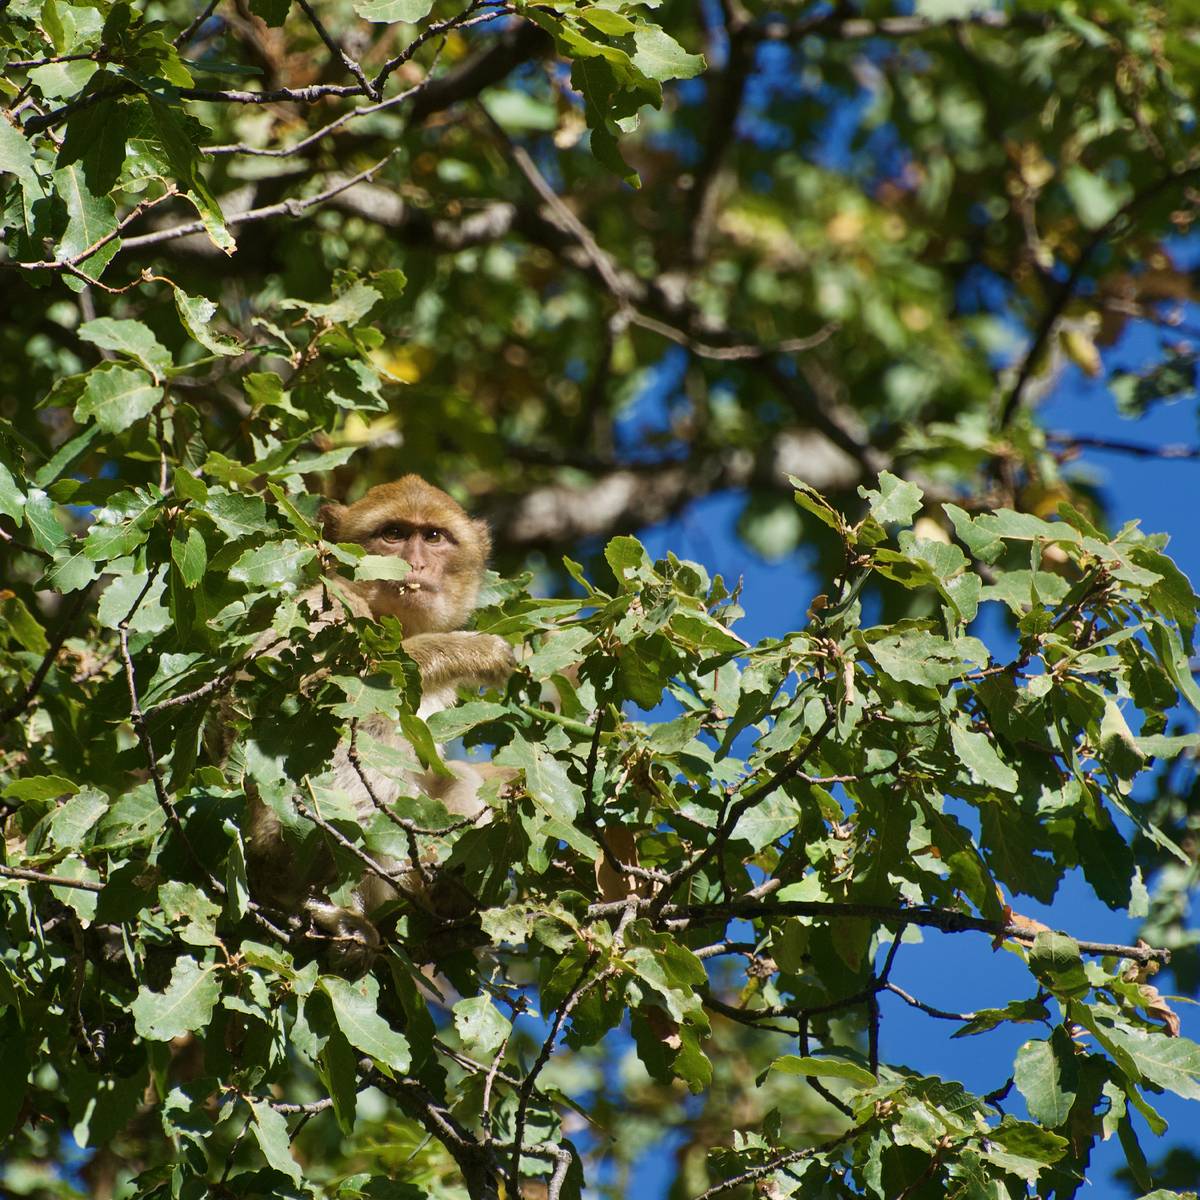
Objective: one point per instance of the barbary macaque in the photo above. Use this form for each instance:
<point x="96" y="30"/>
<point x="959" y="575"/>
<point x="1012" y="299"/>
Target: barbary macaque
<point x="447" y="552"/>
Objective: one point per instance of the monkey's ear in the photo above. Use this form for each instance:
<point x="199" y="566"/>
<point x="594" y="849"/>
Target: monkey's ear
<point x="330" y="516"/>
<point x="483" y="538"/>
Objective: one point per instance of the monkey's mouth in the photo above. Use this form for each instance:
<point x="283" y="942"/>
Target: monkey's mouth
<point x="412" y="588"/>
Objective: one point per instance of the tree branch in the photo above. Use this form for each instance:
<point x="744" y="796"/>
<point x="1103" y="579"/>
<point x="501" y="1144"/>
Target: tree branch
<point x="291" y="207"/>
<point x="351" y="65"/>
<point x="84" y="885"/>
<point x="1066" y="290"/>
<point x="783" y="1160"/>
<point x="948" y="920"/>
<point x="480" y="1172"/>
<point x="1081" y="441"/>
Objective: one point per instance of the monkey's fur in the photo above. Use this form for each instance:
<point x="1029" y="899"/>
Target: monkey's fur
<point x="447" y="552"/>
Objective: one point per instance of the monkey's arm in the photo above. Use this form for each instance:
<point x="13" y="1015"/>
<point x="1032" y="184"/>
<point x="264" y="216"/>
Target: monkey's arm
<point x="450" y="659"/>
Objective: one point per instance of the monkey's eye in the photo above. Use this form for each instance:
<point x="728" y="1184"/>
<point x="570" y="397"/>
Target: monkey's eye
<point x="392" y="533"/>
<point x="434" y="535"/>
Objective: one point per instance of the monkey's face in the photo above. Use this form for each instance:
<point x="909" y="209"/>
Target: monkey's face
<point x="412" y="520"/>
<point x="432" y="596"/>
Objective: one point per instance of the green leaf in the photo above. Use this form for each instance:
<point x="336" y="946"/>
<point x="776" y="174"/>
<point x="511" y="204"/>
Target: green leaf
<point x="607" y="21"/>
<point x="95" y="138"/>
<point x="276" y="562"/>
<point x="71" y="569"/>
<point x="16" y="155"/>
<point x="90" y="218"/>
<point x="661" y="57"/>
<point x="356" y="1009"/>
<point x="1096" y="200"/>
<point x="190" y="556"/>
<point x="830" y="1067"/>
<point x="42" y="521"/>
<point x="131" y="338"/>
<point x="545" y="777"/>
<point x="771" y="818"/>
<point x="338" y="1066"/>
<point x="186" y="905"/>
<point x="12" y="499"/>
<point x="1012" y="838"/>
<point x="57" y="81"/>
<point x="1118" y="746"/>
<point x="17" y="622"/>
<point x="922" y="658"/>
<point x="74" y="823"/>
<point x="480" y="1024"/>
<point x="558" y="652"/>
<point x="976" y="752"/>
<point x="117" y="396"/>
<point x="1055" y="959"/>
<point x="273" y="12"/>
<point x="271" y="1133"/>
<point x="187" y="1004"/>
<point x="451" y="723"/>
<point x="626" y="554"/>
<point x="1044" y="1073"/>
<point x="813" y="502"/>
<point x="348" y="308"/>
<point x="235" y="515"/>
<point x="896" y="502"/>
<point x="381" y="566"/>
<point x="1170" y="1062"/>
<point x="40" y="787"/>
<point x="122" y="593"/>
<point x="387" y="11"/>
<point x="183" y="160"/>
<point x="196" y="314"/>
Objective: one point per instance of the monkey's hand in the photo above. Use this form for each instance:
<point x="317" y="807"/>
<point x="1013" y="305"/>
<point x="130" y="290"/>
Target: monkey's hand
<point x="449" y="660"/>
<point x="354" y="940"/>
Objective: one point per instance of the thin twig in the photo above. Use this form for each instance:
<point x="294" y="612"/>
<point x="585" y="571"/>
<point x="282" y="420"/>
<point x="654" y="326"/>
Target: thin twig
<point x="769" y="1168"/>
<point x="948" y="920"/>
<point x="25" y="547"/>
<point x="292" y="207"/>
<point x="465" y="18"/>
<point x="1073" y="441"/>
<point x="746" y="352"/>
<point x="220" y="683"/>
<point x="66" y="264"/>
<point x="1066" y="290"/>
<point x="579" y="989"/>
<point x="941" y="1013"/>
<point x="311" y="1109"/>
<point x="362" y="110"/>
<point x="414" y="849"/>
<point x="394" y="878"/>
<point x="305" y="95"/>
<point x="183" y="38"/>
<point x="349" y="63"/>
<point x="84" y="885"/>
<point x="27" y="64"/>
<point x="562" y="1164"/>
<point x="485" y="1107"/>
<point x="742" y="805"/>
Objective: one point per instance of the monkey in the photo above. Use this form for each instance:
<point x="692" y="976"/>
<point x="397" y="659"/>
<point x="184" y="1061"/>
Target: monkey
<point x="446" y="551"/>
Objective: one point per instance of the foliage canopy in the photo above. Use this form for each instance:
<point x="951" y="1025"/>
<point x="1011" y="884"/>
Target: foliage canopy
<point x="686" y="906"/>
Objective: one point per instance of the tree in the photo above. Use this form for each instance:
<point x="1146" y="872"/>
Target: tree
<point x="689" y="899"/>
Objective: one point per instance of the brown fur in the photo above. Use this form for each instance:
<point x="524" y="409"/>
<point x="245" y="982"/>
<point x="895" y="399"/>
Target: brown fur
<point x="447" y="551"/>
